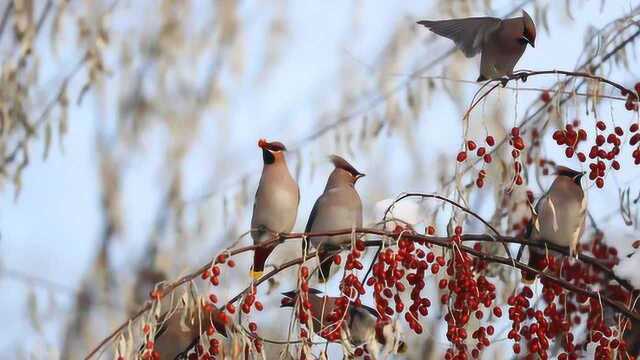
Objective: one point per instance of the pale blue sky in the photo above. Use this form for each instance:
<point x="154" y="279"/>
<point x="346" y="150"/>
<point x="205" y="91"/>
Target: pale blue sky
<point x="52" y="230"/>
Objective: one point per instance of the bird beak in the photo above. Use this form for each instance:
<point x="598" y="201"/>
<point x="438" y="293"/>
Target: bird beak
<point x="360" y="176"/>
<point x="533" y="45"/>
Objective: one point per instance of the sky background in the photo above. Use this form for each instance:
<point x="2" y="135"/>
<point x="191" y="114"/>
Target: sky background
<point x="52" y="230"/>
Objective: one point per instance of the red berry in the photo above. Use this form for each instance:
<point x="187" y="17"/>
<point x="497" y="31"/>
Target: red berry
<point x="619" y="131"/>
<point x="515" y="131"/>
<point x="600" y="182"/>
<point x="601" y="125"/>
<point x="545" y="96"/>
<point x="462" y="156"/>
<point x="615" y="164"/>
<point x="487" y="158"/>
<point x="471" y="145"/>
<point x="490" y="140"/>
<point x="569" y="152"/>
<point x="497" y="311"/>
<point x="230" y="308"/>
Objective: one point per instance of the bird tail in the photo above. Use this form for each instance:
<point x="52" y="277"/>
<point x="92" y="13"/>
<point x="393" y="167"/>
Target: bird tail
<point x="535" y="261"/>
<point x="260" y="256"/>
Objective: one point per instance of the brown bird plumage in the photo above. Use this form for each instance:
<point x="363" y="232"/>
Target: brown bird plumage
<point x="174" y="338"/>
<point x="276" y="205"/>
<point x="559" y="216"/>
<point x="502" y="42"/>
<point x="339" y="207"/>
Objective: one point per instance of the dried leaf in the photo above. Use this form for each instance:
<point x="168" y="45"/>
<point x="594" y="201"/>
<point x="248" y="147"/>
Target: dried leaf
<point x="47" y="140"/>
<point x="32" y="310"/>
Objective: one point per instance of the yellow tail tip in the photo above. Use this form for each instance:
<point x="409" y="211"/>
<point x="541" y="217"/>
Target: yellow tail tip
<point x="256" y="275"/>
<point x="402" y="347"/>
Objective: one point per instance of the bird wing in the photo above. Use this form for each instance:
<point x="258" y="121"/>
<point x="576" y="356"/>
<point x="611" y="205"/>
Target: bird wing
<point x="547" y="217"/>
<point x="370" y="310"/>
<point x="312" y="218"/>
<point x="468" y="34"/>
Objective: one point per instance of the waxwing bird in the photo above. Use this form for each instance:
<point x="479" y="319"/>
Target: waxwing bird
<point x="559" y="216"/>
<point x="276" y="205"/>
<point x="338" y="208"/>
<point x="360" y="320"/>
<point x="502" y="42"/>
<point x="180" y="328"/>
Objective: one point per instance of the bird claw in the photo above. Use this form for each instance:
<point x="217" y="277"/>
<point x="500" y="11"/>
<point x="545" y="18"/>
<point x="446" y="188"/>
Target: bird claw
<point x="504" y="81"/>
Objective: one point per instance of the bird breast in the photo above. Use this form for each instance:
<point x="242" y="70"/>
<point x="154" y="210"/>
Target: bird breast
<point x="339" y="208"/>
<point x="276" y="205"/>
<point x="562" y="215"/>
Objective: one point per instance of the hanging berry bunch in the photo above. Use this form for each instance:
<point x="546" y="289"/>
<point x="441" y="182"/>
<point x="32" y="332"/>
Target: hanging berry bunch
<point x="517" y="144"/>
<point x="481" y="153"/>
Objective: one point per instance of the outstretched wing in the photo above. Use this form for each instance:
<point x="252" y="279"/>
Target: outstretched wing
<point x="468" y="34"/>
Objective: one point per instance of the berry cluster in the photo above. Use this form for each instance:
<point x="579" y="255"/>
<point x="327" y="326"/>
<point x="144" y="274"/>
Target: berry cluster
<point x="600" y="155"/>
<point x="481" y="153"/>
<point x="467" y="293"/>
<point x="517" y="143"/>
<point x="571" y="137"/>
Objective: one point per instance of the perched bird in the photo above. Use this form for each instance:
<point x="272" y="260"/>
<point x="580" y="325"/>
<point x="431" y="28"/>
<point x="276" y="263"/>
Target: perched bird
<point x="339" y="207"/>
<point x="276" y="205"/>
<point x="178" y="331"/>
<point x="360" y="319"/>
<point x="502" y="42"/>
<point x="559" y="216"/>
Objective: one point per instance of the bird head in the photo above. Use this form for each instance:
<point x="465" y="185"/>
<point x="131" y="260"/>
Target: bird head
<point x="271" y="150"/>
<point x="575" y="175"/>
<point x="342" y="164"/>
<point x="529" y="30"/>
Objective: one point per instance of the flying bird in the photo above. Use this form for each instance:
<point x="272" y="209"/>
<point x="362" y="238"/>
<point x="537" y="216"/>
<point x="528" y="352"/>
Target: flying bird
<point x="360" y="319"/>
<point x="276" y="204"/>
<point x="559" y="216"/>
<point x="338" y="208"/>
<point x="501" y="41"/>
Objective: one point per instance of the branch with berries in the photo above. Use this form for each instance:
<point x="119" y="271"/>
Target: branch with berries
<point x="414" y="250"/>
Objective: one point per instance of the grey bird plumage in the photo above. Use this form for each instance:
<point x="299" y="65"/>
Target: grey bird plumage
<point x="339" y="207"/>
<point x="501" y="41"/>
<point x="559" y="216"/>
<point x="276" y="203"/>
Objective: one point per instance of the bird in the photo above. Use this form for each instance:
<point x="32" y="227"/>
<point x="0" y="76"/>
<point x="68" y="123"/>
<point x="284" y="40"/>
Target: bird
<point x="559" y="217"/>
<point x="361" y="320"/>
<point x="275" y="208"/>
<point x="501" y="41"/>
<point x="339" y="207"/>
<point x="176" y="335"/>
